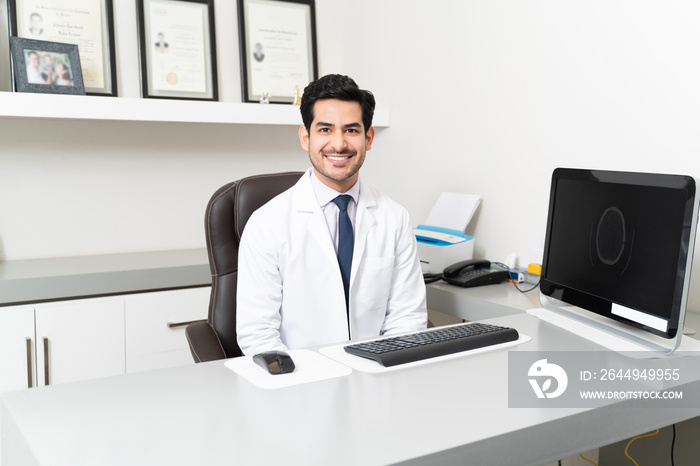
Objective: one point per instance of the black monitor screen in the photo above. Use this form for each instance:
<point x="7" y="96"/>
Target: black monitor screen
<point x="618" y="244"/>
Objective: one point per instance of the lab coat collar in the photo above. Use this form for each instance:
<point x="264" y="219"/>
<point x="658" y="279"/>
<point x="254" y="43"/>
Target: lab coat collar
<point x="305" y="199"/>
<point x="325" y="194"/>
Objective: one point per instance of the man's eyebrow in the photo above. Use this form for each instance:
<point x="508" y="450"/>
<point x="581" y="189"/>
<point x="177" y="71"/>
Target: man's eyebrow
<point x="331" y="125"/>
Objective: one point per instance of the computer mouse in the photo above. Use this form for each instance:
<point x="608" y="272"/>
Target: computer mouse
<point x="275" y="362"/>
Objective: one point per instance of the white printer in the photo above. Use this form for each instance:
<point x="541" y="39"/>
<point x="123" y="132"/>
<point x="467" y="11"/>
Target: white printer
<point x="441" y="240"/>
<point x="439" y="248"/>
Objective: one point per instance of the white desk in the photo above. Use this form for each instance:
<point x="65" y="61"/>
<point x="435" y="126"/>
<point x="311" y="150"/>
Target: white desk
<point x="503" y="299"/>
<point x="483" y="302"/>
<point x="446" y="412"/>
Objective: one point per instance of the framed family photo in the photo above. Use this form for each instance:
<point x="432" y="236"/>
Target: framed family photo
<point x="177" y="49"/>
<point x="278" y="48"/>
<point x="89" y="24"/>
<point x="45" y="67"/>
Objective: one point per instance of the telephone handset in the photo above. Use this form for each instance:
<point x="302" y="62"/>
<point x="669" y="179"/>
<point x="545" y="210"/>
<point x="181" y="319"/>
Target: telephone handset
<point x="475" y="272"/>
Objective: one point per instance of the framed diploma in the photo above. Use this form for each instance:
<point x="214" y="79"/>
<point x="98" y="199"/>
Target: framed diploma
<point x="89" y="24"/>
<point x="177" y="49"/>
<point x="45" y="67"/>
<point x="278" y="48"/>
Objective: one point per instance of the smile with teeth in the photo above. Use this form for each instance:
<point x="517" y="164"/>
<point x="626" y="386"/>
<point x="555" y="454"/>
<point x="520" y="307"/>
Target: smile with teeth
<point x="338" y="158"/>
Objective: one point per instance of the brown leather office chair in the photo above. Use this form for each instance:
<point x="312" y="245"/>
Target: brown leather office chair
<point x="226" y="215"/>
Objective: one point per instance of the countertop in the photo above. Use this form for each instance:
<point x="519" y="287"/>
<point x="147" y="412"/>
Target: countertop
<point x="54" y="279"/>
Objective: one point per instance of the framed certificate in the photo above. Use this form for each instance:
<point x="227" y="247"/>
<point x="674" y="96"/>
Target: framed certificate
<point x="89" y="24"/>
<point x="177" y="49"/>
<point x="278" y="48"/>
<point x="45" y="67"/>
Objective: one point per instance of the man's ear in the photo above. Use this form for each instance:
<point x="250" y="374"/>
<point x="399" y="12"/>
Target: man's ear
<point x="369" y="137"/>
<point x="304" y="138"/>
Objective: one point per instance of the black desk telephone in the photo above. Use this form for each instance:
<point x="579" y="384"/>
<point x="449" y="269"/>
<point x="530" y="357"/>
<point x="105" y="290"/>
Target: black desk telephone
<point x="475" y="272"/>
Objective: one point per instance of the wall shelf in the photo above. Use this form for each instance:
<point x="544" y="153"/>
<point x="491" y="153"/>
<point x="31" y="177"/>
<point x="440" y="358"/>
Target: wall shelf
<point x="48" y="106"/>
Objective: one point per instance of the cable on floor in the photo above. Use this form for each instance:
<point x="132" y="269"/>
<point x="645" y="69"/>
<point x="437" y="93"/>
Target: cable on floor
<point x="635" y="438"/>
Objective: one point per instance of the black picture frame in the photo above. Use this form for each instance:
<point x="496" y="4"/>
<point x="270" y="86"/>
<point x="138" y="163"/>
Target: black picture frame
<point x="59" y="21"/>
<point x="290" y="66"/>
<point x="63" y="75"/>
<point x="170" y="51"/>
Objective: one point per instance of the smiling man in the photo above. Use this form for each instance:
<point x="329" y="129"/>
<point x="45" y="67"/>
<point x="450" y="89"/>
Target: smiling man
<point x="331" y="259"/>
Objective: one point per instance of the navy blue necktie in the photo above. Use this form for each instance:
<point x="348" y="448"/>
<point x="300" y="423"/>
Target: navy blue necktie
<point x="346" y="241"/>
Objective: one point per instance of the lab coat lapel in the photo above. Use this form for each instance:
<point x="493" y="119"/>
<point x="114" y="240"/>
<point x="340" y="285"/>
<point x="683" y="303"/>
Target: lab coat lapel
<point x="305" y="201"/>
<point x="364" y="221"/>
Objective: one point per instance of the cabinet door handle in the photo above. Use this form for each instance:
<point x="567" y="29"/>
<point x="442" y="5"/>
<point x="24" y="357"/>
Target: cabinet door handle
<point x="184" y="324"/>
<point x="30" y="365"/>
<point x="46" y="361"/>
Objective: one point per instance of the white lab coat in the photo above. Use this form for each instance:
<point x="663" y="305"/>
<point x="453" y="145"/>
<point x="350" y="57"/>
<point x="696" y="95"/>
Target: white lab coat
<point x="290" y="292"/>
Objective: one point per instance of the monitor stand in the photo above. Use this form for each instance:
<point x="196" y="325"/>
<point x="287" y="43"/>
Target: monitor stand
<point x="606" y="332"/>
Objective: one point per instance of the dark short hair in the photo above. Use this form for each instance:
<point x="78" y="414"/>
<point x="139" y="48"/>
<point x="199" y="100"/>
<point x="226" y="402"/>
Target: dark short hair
<point x="339" y="87"/>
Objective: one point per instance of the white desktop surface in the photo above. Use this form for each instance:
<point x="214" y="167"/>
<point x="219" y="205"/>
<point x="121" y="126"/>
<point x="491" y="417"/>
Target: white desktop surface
<point x="482" y="302"/>
<point x="310" y="367"/>
<point x="450" y="412"/>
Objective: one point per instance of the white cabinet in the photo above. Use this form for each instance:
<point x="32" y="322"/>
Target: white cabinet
<point x="155" y="327"/>
<point x="78" y="340"/>
<point x="17" y="365"/>
<point x="68" y="341"/>
<point x="55" y="343"/>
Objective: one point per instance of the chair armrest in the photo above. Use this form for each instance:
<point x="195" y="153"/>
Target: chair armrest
<point x="204" y="342"/>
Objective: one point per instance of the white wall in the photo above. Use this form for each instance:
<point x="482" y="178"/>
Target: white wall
<point x="487" y="97"/>
<point x="124" y="186"/>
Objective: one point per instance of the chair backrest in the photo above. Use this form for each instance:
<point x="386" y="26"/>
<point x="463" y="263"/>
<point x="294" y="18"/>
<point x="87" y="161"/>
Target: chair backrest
<point x="226" y="215"/>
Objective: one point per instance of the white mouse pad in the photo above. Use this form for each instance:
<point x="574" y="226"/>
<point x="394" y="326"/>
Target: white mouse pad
<point x="368" y="365"/>
<point x="309" y="367"/>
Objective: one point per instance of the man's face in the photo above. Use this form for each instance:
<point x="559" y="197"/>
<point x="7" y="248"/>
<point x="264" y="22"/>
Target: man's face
<point x="34" y="59"/>
<point x="337" y="142"/>
<point x="35" y="22"/>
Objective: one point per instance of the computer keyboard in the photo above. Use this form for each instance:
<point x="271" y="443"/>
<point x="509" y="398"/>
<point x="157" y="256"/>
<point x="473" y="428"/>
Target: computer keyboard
<point x="431" y="343"/>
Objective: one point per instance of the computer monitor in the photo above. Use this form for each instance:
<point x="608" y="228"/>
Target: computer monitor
<point x="620" y="245"/>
